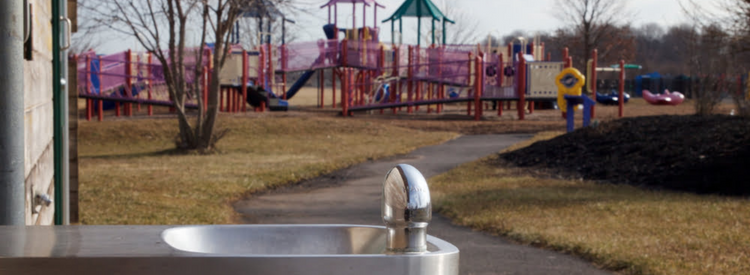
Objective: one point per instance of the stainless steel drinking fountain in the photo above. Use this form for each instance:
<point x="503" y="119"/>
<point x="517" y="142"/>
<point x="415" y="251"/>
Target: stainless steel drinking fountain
<point x="401" y="247"/>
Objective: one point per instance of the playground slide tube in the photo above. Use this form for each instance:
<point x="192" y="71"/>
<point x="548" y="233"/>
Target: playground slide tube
<point x="300" y="82"/>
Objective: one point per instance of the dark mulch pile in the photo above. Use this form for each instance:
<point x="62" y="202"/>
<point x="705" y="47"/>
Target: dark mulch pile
<point x="686" y="153"/>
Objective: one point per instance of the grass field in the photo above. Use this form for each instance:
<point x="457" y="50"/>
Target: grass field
<point x="618" y="227"/>
<point x="129" y="175"/>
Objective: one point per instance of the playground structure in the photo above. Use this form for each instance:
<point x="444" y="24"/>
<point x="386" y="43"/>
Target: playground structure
<point x="370" y="75"/>
<point x="667" y="98"/>
<point x="618" y="97"/>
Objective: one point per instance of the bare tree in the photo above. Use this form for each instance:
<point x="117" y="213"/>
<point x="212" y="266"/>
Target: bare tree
<point x="161" y="27"/>
<point x="461" y="33"/>
<point x="86" y="37"/>
<point x="590" y="22"/>
<point x="710" y="65"/>
<point x="250" y="35"/>
<point x="724" y="46"/>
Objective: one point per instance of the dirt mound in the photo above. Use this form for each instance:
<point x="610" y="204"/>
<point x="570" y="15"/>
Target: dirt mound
<point x="687" y="153"/>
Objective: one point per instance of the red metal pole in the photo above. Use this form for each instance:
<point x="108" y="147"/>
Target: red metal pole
<point x="531" y="45"/>
<point x="500" y="79"/>
<point x="395" y="89"/>
<point x="138" y="65"/>
<point x="101" y="102"/>
<point x="409" y="83"/>
<point x="440" y="88"/>
<point x="231" y="94"/>
<point x="221" y="100"/>
<point x="478" y="88"/>
<point x="417" y="85"/>
<point x="439" y="96"/>
<point x="321" y="84"/>
<point x="345" y="79"/>
<point x="117" y="104"/>
<point x="261" y="67"/>
<point x="521" y="88"/>
<point x="468" y="103"/>
<point x="245" y="76"/>
<point x="594" y="65"/>
<point x="284" y="64"/>
<point x="150" y="84"/>
<point x="362" y="86"/>
<point x="345" y="93"/>
<point x="205" y="88"/>
<point x="236" y="94"/>
<point x="89" y="102"/>
<point x="334" y="74"/>
<point x="566" y="54"/>
<point x="621" y="99"/>
<point x="129" y="82"/>
<point x="429" y="96"/>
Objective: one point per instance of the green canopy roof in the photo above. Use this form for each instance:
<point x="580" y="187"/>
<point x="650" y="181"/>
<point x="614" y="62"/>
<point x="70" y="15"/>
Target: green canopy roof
<point x="418" y="8"/>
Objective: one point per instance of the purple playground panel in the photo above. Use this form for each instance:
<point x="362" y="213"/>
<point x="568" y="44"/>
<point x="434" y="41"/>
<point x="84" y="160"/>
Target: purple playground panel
<point x="305" y="56"/>
<point x="451" y="66"/>
<point x="363" y="54"/>
<point x="105" y="77"/>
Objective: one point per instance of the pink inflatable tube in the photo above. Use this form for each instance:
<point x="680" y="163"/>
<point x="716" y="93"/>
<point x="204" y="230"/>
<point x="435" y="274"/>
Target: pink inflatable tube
<point x="667" y="98"/>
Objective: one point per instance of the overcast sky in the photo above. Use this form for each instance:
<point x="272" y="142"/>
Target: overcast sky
<point x="498" y="17"/>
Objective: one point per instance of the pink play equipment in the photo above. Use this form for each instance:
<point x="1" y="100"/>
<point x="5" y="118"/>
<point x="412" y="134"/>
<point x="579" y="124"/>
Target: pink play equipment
<point x="667" y="98"/>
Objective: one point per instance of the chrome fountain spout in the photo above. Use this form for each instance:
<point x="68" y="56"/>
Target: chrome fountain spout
<point x="406" y="210"/>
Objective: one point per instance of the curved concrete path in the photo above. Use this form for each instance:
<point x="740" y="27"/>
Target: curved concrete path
<point x="352" y="196"/>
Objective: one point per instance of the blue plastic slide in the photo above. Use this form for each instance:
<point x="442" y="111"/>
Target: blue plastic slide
<point x="330" y="34"/>
<point x="300" y="82"/>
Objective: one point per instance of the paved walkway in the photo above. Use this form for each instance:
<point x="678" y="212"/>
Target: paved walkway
<point x="352" y="196"/>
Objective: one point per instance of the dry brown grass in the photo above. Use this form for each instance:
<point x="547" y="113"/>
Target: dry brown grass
<point x="456" y="120"/>
<point x="618" y="227"/>
<point x="129" y="175"/>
